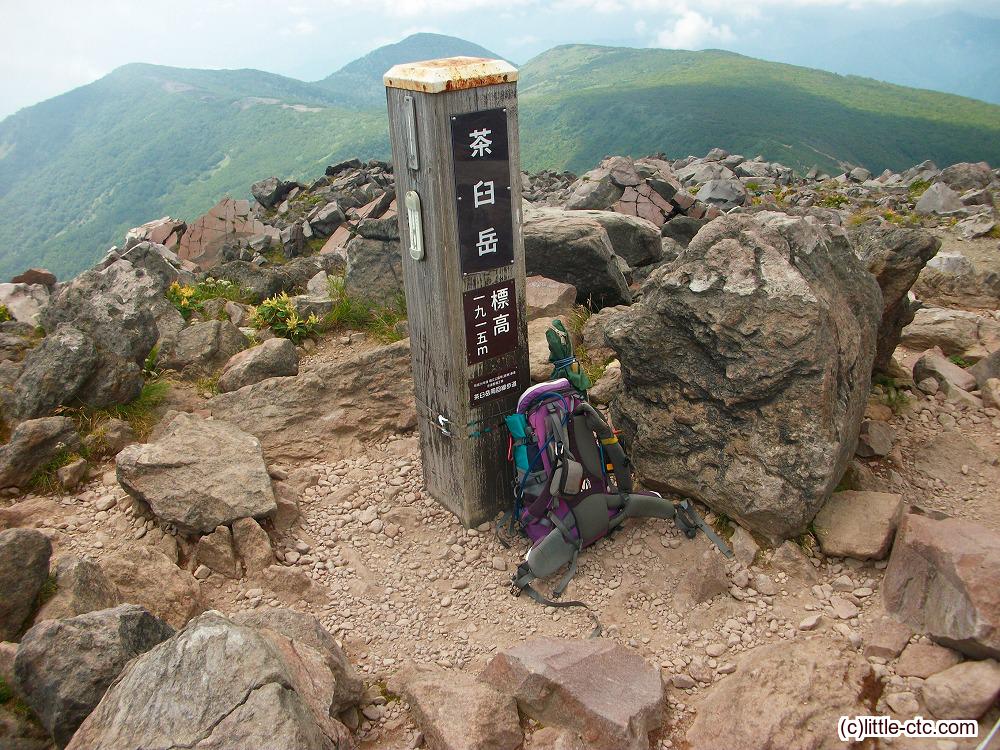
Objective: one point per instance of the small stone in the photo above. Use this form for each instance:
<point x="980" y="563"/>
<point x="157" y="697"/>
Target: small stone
<point x="843" y="608"/>
<point x="499" y="563"/>
<point x="682" y="681"/>
<point x="202" y="572"/>
<point x="811" y="622"/>
<point x="902" y="704"/>
<point x="715" y="649"/>
<point x="105" y="503"/>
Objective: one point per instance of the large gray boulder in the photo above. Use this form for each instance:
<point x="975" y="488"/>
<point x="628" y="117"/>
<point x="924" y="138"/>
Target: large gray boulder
<point x="594" y="190"/>
<point x="219" y="685"/>
<point x="274" y="358"/>
<point x="938" y="199"/>
<point x="746" y="369"/>
<point x="24" y="302"/>
<point x="374" y="270"/>
<point x="575" y="249"/>
<point x="952" y="280"/>
<point x="967" y="176"/>
<point x="201" y="347"/>
<point x="548" y="298"/>
<point x="54" y="372"/>
<point x="163" y="265"/>
<point x="699" y="172"/>
<point x="63" y="667"/>
<point x="34" y="443"/>
<point x="261" y="282"/>
<point x="111" y="307"/>
<point x="956" y="332"/>
<point x="682" y="229"/>
<point x="200" y="474"/>
<point x="303" y="628"/>
<point x="24" y="568"/>
<point x="633" y="238"/>
<point x="325" y="219"/>
<point x="896" y="257"/>
<point x="726" y="194"/>
<point x="271" y="191"/>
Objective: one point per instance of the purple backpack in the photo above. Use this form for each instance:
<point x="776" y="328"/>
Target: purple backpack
<point x="573" y="485"/>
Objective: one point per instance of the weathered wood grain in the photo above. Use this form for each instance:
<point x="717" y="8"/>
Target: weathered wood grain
<point x="469" y="475"/>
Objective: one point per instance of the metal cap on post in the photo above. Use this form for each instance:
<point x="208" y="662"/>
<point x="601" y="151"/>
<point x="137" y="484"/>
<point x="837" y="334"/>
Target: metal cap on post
<point x="453" y="128"/>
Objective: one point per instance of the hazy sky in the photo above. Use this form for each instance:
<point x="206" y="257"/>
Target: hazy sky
<point x="47" y="48"/>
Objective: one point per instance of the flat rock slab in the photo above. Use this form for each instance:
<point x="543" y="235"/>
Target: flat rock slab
<point x="942" y="580"/>
<point x="925" y="659"/>
<point x="859" y="525"/>
<point x="602" y="690"/>
<point x="455" y="712"/>
<point x="786" y="695"/>
<point x="199" y="475"/>
<point x="319" y="412"/>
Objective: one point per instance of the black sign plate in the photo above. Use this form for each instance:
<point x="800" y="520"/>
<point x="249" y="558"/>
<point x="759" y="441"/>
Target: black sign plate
<point x="481" y="157"/>
<point x="493" y="386"/>
<point x="490" y="321"/>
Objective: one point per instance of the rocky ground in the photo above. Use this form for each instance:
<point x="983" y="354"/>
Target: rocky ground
<point x="346" y="533"/>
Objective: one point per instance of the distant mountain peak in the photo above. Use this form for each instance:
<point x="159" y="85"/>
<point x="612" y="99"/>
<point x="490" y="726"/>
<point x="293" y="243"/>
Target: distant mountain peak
<point x="359" y="83"/>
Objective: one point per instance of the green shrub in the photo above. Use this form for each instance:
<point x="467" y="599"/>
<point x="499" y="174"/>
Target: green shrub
<point x="957" y="359"/>
<point x="834" y="200"/>
<point x="149" y="365"/>
<point x="189" y="299"/>
<point x="140" y="413"/>
<point x="381" y="321"/>
<point x="278" y="313"/>
<point x="44" y="479"/>
<point x="889" y="393"/>
<point x="918" y="188"/>
<point x="5" y="314"/>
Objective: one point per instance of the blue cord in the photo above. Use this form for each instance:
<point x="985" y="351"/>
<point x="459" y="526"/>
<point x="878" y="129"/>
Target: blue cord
<point x="561" y="364"/>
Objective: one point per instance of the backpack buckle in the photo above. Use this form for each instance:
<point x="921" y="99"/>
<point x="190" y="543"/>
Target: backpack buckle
<point x="515" y="590"/>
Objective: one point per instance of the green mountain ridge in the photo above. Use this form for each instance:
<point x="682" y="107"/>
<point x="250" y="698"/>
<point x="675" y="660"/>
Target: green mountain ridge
<point x="78" y="170"/>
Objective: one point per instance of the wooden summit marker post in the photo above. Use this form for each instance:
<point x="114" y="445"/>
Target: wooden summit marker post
<point x="453" y="127"/>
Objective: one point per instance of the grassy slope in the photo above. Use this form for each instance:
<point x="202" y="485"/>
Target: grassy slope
<point x="581" y="103"/>
<point x="91" y="164"/>
<point x="78" y="170"/>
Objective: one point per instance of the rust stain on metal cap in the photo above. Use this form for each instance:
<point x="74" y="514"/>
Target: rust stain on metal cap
<point x="449" y="74"/>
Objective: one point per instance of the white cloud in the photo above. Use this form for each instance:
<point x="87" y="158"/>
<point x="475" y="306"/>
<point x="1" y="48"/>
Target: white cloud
<point x="692" y="30"/>
<point x="523" y="41"/>
<point x="47" y="48"/>
<point x="299" y="28"/>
